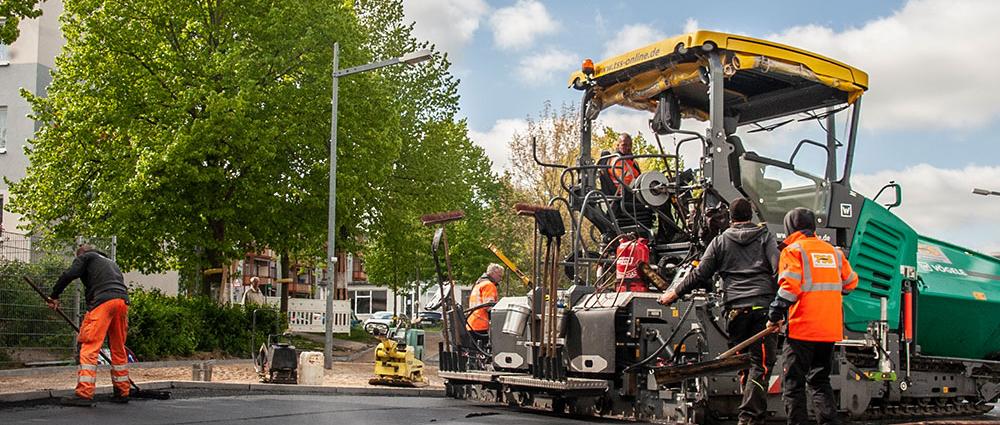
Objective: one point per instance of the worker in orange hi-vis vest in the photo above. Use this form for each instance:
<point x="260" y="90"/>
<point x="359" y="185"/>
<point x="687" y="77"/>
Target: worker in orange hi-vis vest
<point x="813" y="277"/>
<point x="484" y="292"/>
<point x="624" y="170"/>
<point x="107" y="316"/>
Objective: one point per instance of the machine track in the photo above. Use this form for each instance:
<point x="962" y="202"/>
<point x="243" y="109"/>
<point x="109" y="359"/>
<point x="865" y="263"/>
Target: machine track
<point x="926" y="409"/>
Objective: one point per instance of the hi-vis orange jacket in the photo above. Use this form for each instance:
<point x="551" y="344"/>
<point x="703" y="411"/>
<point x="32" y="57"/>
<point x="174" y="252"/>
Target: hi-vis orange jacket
<point x="814" y="276"/>
<point x="484" y="292"/>
<point x="624" y="171"/>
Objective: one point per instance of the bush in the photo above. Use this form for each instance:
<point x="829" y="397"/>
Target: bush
<point x="161" y="326"/>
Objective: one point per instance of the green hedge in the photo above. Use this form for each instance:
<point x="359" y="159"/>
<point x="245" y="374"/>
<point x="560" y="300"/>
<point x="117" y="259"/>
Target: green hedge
<point x="164" y="326"/>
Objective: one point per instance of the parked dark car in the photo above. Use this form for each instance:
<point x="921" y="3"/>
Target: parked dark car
<point x="429" y="317"/>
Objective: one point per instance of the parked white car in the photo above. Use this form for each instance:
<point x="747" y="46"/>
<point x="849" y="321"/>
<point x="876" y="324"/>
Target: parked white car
<point x="381" y="321"/>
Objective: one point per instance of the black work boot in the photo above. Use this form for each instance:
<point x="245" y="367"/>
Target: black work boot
<point x="76" y="401"/>
<point x="118" y="398"/>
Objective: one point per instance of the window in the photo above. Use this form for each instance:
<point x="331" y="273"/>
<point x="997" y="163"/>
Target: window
<point x="3" y="129"/>
<point x="379" y="300"/>
<point x="263" y="267"/>
<point x="783" y="162"/>
<point x="361" y="301"/>
<point x="778" y="190"/>
<point x="358" y="273"/>
<point x="367" y="302"/>
<point x="4" y="55"/>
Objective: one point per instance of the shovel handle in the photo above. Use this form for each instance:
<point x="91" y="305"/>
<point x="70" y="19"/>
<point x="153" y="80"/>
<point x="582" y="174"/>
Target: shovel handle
<point x="47" y="298"/>
<point x="767" y="331"/>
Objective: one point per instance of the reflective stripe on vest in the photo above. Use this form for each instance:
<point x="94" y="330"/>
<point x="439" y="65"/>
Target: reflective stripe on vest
<point x="90" y="367"/>
<point x="788" y="296"/>
<point x="850" y="277"/>
<point x="790" y="275"/>
<point x="85" y="378"/>
<point x="119" y="367"/>
<point x="817" y="314"/>
<point x="623" y="171"/>
<point x="123" y="378"/>
<point x="809" y="283"/>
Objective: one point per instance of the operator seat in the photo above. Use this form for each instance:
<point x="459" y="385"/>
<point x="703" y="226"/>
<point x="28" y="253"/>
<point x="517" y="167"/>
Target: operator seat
<point x="750" y="174"/>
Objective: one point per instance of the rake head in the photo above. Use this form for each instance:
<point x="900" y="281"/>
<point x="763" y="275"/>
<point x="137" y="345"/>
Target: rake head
<point x="442" y="217"/>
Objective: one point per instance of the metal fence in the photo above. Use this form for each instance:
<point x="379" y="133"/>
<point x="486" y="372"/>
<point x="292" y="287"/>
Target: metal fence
<point x="30" y="333"/>
<point x="15" y="247"/>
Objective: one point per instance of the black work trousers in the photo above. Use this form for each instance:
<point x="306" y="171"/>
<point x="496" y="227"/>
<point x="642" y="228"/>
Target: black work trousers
<point x="808" y="364"/>
<point x="743" y="324"/>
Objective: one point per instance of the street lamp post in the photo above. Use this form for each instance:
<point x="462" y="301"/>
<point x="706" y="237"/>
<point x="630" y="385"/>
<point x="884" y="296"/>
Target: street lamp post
<point x="331" y="253"/>
<point x="985" y="192"/>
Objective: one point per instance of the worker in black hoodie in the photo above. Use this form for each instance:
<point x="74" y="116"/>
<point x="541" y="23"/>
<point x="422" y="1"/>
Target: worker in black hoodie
<point x="107" y="317"/>
<point x="745" y="256"/>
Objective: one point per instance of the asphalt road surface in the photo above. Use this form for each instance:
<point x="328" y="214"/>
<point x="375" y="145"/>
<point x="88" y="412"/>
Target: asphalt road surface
<point x="300" y="409"/>
<point x="285" y="410"/>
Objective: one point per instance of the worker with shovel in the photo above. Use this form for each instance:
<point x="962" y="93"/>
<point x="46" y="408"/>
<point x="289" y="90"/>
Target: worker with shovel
<point x="745" y="256"/>
<point x="107" y="316"/>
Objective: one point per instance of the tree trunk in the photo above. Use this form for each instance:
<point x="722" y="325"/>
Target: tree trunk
<point x="286" y="275"/>
<point x="212" y="277"/>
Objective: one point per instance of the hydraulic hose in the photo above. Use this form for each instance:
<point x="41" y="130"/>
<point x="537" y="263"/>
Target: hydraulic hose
<point x="665" y="342"/>
<point x="696" y="331"/>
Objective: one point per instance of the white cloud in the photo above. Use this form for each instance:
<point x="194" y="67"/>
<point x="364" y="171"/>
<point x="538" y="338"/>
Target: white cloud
<point x="542" y="66"/>
<point x="624" y="120"/>
<point x="496" y="141"/>
<point x="930" y="64"/>
<point x="448" y="24"/>
<point x="517" y="26"/>
<point x="631" y="37"/>
<point x="691" y="25"/>
<point x="939" y="202"/>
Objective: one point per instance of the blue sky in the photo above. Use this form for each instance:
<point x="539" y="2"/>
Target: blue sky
<point x="930" y="120"/>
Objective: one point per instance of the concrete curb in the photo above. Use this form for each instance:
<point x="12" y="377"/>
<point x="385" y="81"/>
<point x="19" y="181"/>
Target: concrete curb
<point x="233" y="386"/>
<point x="139" y="365"/>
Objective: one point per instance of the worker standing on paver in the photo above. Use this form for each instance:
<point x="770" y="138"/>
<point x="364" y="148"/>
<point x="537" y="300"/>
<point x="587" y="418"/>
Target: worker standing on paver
<point x="745" y="256"/>
<point x="107" y="316"/>
<point x="814" y="277"/>
<point x="624" y="170"/>
<point x="484" y="292"/>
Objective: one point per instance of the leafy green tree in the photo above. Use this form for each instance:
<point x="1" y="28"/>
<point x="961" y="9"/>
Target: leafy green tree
<point x="12" y="12"/>
<point x="196" y="130"/>
<point x="437" y="167"/>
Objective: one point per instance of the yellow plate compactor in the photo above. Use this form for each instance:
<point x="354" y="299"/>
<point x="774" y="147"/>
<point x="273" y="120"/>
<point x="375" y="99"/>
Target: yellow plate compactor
<point x="398" y="359"/>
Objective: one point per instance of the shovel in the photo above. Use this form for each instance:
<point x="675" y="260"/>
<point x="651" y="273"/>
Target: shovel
<point x="136" y="392"/>
<point x="726" y="362"/>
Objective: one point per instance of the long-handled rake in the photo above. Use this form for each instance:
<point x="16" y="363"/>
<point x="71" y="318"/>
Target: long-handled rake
<point x="136" y="392"/>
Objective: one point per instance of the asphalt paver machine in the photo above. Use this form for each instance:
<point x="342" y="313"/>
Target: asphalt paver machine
<point x="776" y="125"/>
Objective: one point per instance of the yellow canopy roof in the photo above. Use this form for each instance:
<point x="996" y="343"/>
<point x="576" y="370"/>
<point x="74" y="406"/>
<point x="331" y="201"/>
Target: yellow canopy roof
<point x="634" y="78"/>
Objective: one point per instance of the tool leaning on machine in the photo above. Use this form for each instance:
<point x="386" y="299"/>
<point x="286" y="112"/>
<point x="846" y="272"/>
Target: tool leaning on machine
<point x="136" y="392"/>
<point x="458" y="349"/>
<point x="548" y="357"/>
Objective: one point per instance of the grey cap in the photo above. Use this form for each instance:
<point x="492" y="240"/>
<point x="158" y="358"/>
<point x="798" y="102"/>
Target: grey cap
<point x="800" y="219"/>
